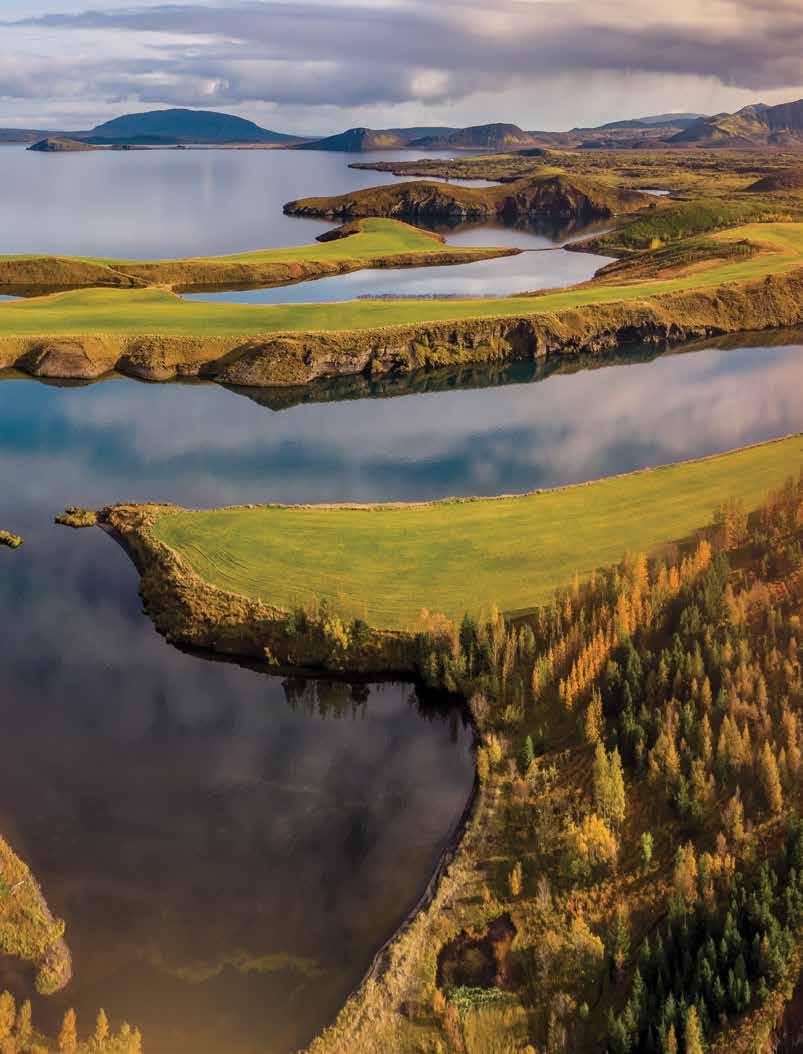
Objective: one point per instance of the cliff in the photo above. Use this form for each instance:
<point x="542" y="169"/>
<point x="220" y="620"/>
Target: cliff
<point x="299" y="358"/>
<point x="551" y="195"/>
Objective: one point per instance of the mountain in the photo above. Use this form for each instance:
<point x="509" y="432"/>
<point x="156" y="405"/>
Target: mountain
<point x="663" y="120"/>
<point x="167" y="127"/>
<point x="757" y="125"/>
<point x="424" y="131"/>
<point x="359" y="140"/>
<point x="480" y="137"/>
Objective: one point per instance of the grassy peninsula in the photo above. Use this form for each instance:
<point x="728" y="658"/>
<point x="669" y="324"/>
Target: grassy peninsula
<point x="364" y="243"/>
<point x="385" y="565"/>
<point x="158" y="312"/>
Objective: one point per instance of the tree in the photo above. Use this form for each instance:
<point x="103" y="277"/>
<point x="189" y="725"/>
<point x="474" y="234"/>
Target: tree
<point x="685" y="877"/>
<point x="609" y="785"/>
<point x="8" y="1013"/>
<point x="515" y="880"/>
<point x="68" y="1037"/>
<point x="526" y="756"/>
<point x="593" y="722"/>
<point x="620" y="937"/>
<point x="770" y="780"/>
<point x="24" y="1026"/>
<point x="101" y="1033"/>
<point x="646" y="843"/>
<point x="694" y="1034"/>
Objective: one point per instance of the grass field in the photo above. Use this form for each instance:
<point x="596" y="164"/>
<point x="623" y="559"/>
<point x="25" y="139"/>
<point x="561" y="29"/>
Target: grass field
<point x="386" y="564"/>
<point x="375" y="238"/>
<point x="156" y="312"/>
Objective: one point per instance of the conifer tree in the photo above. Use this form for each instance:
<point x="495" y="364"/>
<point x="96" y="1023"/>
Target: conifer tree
<point x="23" y="1028"/>
<point x="693" y="1033"/>
<point x="770" y="780"/>
<point x="101" y="1033"/>
<point x="68" y="1037"/>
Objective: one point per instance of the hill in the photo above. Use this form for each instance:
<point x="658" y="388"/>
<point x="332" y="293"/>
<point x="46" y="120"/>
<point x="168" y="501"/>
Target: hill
<point x="481" y="137"/>
<point x="757" y="125"/>
<point x="165" y="127"/>
<point x="791" y="179"/>
<point x="358" y="140"/>
<point x="548" y="195"/>
<point x="59" y="144"/>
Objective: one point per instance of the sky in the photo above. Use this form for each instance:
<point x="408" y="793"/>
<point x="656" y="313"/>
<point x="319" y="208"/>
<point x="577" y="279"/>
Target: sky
<point x="319" y="66"/>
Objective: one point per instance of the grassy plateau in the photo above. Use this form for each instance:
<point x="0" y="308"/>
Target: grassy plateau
<point x="386" y="564"/>
<point x="159" y="312"/>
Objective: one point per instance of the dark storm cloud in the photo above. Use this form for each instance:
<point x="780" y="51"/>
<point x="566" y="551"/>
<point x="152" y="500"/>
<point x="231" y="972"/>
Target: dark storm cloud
<point x="314" y="54"/>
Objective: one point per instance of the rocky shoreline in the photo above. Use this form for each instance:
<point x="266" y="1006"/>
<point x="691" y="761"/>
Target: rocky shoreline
<point x="292" y="359"/>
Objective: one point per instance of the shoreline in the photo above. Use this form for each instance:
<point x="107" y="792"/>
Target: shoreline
<point x="190" y="611"/>
<point x="403" y="963"/>
<point x="292" y="358"/>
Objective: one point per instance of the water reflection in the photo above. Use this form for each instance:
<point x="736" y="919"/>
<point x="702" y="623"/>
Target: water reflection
<point x="122" y="440"/>
<point x="527" y="272"/>
<point x="228" y="849"/>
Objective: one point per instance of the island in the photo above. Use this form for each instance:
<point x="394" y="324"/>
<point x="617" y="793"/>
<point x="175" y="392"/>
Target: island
<point x="556" y="195"/>
<point x="638" y="745"/>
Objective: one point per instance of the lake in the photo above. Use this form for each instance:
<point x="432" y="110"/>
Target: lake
<point x="229" y="848"/>
<point x="167" y="203"/>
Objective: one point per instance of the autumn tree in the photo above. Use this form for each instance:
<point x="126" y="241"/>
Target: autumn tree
<point x="23" y="1029"/>
<point x="693" y="1032"/>
<point x="515" y="879"/>
<point x="770" y="780"/>
<point x="68" y="1037"/>
<point x="8" y="1014"/>
<point x="101" y="1033"/>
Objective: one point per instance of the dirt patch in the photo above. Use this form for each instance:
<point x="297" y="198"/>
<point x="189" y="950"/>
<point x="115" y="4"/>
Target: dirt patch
<point x="479" y="960"/>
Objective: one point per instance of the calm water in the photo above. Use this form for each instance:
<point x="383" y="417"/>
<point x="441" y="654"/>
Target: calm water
<point x="174" y="202"/>
<point x="228" y="849"/>
<point x="510" y="274"/>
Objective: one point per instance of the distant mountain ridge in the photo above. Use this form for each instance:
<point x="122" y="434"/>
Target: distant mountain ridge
<point x="756" y="125"/>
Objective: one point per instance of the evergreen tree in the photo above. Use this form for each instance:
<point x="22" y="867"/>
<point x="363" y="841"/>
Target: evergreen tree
<point x="526" y="756"/>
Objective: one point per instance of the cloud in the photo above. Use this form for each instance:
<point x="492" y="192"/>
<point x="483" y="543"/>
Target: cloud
<point x="350" y="55"/>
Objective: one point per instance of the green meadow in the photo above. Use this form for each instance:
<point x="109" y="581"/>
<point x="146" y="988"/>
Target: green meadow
<point x="151" y="311"/>
<point x="386" y="564"/>
<point x="374" y="238"/>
